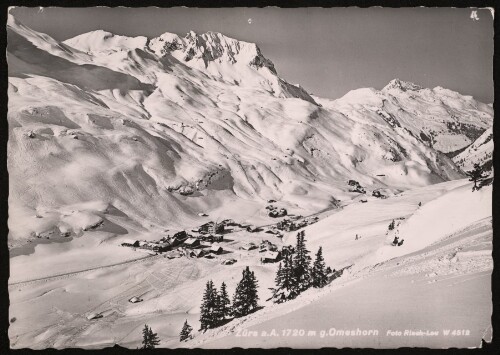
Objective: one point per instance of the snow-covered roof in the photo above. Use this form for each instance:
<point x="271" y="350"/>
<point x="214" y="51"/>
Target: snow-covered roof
<point x="163" y="244"/>
<point x="94" y="316"/>
<point x="215" y="247"/>
<point x="271" y="255"/>
<point x="128" y="241"/>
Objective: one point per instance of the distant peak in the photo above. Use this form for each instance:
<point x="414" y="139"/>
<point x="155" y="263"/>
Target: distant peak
<point x="209" y="47"/>
<point x="100" y="40"/>
<point x="402" y="85"/>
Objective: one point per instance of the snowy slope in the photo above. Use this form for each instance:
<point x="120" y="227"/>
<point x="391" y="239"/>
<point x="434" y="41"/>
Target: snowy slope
<point x="153" y="126"/>
<point x="481" y="152"/>
<point x="448" y="268"/>
<point x="450" y="271"/>
<point x="102" y="41"/>
<point x="114" y="138"/>
<point x="443" y="119"/>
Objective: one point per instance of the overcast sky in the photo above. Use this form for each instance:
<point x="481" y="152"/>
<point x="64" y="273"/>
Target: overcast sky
<point x="327" y="51"/>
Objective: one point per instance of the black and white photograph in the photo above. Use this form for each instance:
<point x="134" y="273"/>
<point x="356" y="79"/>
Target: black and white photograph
<point x="248" y="177"/>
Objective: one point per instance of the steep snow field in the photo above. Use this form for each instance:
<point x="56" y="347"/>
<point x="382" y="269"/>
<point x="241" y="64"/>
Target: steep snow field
<point x="113" y="138"/>
<point x="443" y="267"/>
<point x="481" y="152"/>
<point x="442" y="284"/>
<point x="86" y="125"/>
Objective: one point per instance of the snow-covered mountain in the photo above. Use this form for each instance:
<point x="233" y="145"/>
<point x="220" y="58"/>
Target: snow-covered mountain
<point x="115" y="139"/>
<point x="144" y="123"/>
<point x="481" y="152"/>
<point x="441" y="118"/>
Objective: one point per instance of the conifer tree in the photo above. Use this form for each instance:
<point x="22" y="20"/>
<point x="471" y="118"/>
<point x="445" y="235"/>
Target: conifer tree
<point x="217" y="311"/>
<point x="277" y="291"/>
<point x="301" y="264"/>
<point x="186" y="332"/>
<point x="149" y="339"/>
<point x="208" y="311"/>
<point x="391" y="226"/>
<point x="476" y="175"/>
<point x="319" y="274"/>
<point x="245" y="297"/>
<point x="224" y="303"/>
<point x="278" y="279"/>
<point x="285" y="288"/>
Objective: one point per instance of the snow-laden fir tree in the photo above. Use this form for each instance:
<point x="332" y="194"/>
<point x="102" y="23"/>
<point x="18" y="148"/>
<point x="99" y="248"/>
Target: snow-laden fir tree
<point x="477" y="176"/>
<point x="223" y="304"/>
<point x="301" y="264"/>
<point x="245" y="297"/>
<point x="149" y="339"/>
<point x="208" y="312"/>
<point x="186" y="332"/>
<point x="285" y="282"/>
<point x="391" y="225"/>
<point x="319" y="274"/>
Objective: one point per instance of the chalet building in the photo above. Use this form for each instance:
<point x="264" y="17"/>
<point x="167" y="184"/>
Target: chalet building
<point x="216" y="249"/>
<point x="277" y="213"/>
<point x="217" y="228"/>
<point x="229" y="222"/>
<point x="196" y="253"/>
<point x="150" y="246"/>
<point x="130" y="243"/>
<point x="218" y="237"/>
<point x="180" y="235"/>
<point x="204" y="228"/>
<point x="266" y="245"/>
<point x="249" y="246"/>
<point x="178" y="238"/>
<point x="192" y="243"/>
<point x="212" y="228"/>
<point x="271" y="257"/>
<point x="229" y="262"/>
<point x="162" y="247"/>
<point x="286" y="225"/>
<point x="94" y="316"/>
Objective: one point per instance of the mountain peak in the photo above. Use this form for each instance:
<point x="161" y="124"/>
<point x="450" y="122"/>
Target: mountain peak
<point x="210" y="47"/>
<point x="103" y="41"/>
<point x="401" y="85"/>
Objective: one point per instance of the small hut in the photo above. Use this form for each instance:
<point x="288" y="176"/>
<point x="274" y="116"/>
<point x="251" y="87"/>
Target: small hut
<point x="192" y="242"/>
<point x="130" y="243"/>
<point x="196" y="253"/>
<point x="271" y="257"/>
<point x="216" y="249"/>
<point x="94" y="316"/>
<point x="135" y="299"/>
